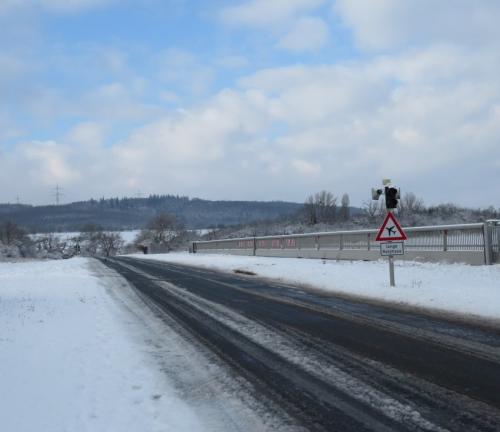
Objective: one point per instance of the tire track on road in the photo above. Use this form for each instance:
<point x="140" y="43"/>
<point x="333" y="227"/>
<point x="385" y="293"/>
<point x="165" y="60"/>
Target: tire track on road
<point x="321" y="404"/>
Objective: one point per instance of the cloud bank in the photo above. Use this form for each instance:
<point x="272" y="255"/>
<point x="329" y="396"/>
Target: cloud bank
<point x="417" y="101"/>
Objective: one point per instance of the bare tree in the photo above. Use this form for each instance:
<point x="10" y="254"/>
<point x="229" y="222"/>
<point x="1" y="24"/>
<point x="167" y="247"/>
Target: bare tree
<point x="445" y="210"/>
<point x="90" y="238"/>
<point x="326" y="204"/>
<point x="163" y="228"/>
<point x="410" y="204"/>
<point x="11" y="233"/>
<point x="371" y="209"/>
<point x="110" y="243"/>
<point x="310" y="211"/>
<point x="344" y="208"/>
<point x="51" y="245"/>
<point x="321" y="207"/>
<point x="164" y="232"/>
<point x="14" y="240"/>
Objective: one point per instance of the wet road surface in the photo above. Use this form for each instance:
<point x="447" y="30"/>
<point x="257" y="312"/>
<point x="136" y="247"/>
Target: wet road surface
<point x="333" y="364"/>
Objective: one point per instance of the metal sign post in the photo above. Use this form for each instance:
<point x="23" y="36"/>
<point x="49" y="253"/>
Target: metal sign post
<point x="390" y="249"/>
<point x="388" y="232"/>
<point x="391" y="271"/>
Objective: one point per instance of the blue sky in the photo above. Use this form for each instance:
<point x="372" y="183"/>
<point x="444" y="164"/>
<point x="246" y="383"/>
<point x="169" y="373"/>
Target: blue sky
<point x="252" y="99"/>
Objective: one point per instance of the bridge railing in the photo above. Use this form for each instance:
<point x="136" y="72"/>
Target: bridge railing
<point x="477" y="243"/>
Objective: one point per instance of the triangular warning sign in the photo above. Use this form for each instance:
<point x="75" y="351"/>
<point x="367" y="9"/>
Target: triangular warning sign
<point x="390" y="230"/>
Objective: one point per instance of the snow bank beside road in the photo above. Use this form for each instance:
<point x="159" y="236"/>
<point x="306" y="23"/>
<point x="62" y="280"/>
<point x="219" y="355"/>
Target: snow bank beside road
<point x="456" y="288"/>
<point x="69" y="360"/>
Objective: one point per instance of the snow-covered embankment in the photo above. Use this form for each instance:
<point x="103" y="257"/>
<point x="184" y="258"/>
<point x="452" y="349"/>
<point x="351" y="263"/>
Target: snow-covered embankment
<point x="73" y="359"/>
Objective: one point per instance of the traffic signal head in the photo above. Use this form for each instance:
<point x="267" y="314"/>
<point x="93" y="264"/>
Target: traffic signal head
<point x="391" y="197"/>
<point x="376" y="194"/>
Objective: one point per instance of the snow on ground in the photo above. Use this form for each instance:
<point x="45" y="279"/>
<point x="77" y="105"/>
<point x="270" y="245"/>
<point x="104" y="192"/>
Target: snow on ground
<point x="68" y="362"/>
<point x="80" y="351"/>
<point x="455" y="288"/>
<point x="127" y="236"/>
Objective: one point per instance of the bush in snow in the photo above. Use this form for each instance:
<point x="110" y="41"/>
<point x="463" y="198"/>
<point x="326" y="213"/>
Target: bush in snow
<point x="94" y="241"/>
<point x="163" y="233"/>
<point x="14" y="243"/>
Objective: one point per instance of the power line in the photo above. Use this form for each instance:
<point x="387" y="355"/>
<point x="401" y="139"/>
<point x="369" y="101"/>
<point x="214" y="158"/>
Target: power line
<point x="57" y="194"/>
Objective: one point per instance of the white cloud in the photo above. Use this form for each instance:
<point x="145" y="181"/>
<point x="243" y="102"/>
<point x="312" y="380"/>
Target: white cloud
<point x="57" y="6"/>
<point x="114" y="102"/>
<point x="232" y="62"/>
<point x="409" y="117"/>
<point x="263" y="13"/>
<point x="287" y="21"/>
<point x="10" y="67"/>
<point x="169" y="96"/>
<point x="9" y="129"/>
<point x="406" y="137"/>
<point x="289" y="131"/>
<point x="305" y="168"/>
<point x="110" y="59"/>
<point x="386" y="24"/>
<point x="184" y="71"/>
<point x="87" y="134"/>
<point x="426" y="114"/>
<point x="186" y="149"/>
<point x="48" y="163"/>
<point x="308" y="34"/>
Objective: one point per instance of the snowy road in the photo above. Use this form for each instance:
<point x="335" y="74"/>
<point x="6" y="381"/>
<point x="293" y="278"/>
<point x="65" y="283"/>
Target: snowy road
<point x="319" y="362"/>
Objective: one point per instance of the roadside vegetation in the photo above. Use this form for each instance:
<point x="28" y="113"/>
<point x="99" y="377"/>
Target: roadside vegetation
<point x="325" y="211"/>
<point x="164" y="232"/>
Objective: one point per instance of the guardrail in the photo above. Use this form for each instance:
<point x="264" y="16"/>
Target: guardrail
<point x="476" y="244"/>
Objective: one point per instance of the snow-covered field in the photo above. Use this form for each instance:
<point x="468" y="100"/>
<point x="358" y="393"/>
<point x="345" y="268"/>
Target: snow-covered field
<point x="127" y="236"/>
<point x="455" y="288"/>
<point x="79" y="352"/>
<point x="68" y="361"/>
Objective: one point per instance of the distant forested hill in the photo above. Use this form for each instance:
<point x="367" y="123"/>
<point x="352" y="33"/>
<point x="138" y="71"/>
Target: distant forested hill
<point x="132" y="213"/>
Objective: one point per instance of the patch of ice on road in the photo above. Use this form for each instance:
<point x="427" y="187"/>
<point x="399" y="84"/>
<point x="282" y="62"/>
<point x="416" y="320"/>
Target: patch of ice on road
<point x="456" y="288"/>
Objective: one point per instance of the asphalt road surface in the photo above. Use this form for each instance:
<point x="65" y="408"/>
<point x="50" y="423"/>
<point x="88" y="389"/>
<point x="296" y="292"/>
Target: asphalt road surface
<point x="333" y="364"/>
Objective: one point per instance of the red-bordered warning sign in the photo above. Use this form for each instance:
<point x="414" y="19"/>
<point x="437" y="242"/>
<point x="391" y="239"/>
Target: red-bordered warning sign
<point x="390" y="230"/>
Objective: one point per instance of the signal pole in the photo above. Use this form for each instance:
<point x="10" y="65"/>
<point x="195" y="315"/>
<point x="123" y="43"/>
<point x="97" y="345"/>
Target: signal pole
<point x="391" y="202"/>
<point x="392" y="279"/>
<point x="391" y="225"/>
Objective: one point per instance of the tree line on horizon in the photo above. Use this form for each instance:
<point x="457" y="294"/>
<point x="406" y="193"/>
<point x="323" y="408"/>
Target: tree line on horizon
<point x="164" y="230"/>
<point x="162" y="234"/>
<point x="134" y="213"/>
<point x="325" y="208"/>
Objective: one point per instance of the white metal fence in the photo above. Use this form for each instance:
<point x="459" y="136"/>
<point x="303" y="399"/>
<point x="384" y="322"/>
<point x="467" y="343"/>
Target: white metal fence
<point x="476" y="244"/>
